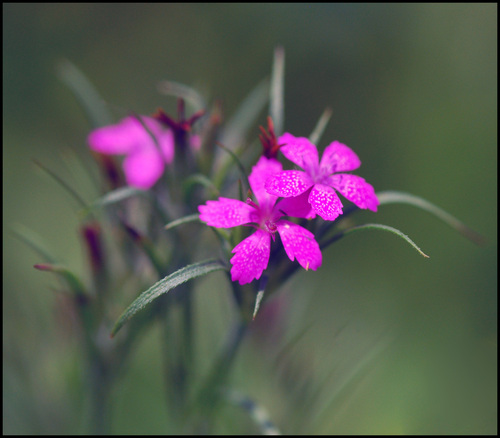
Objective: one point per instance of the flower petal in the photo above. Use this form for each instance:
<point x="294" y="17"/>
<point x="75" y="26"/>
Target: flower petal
<point x="338" y="157"/>
<point x="251" y="257"/>
<point x="296" y="206"/>
<point x="300" y="244"/>
<point x="300" y="151"/>
<point x="226" y="213"/>
<point x="261" y="172"/>
<point x="129" y="136"/>
<point x="356" y="189"/>
<point x="325" y="202"/>
<point x="143" y="168"/>
<point x="289" y="183"/>
<point x="120" y="138"/>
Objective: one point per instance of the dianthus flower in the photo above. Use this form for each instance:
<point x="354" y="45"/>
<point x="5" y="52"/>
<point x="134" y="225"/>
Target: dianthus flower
<point x="251" y="256"/>
<point x="145" y="158"/>
<point x="319" y="180"/>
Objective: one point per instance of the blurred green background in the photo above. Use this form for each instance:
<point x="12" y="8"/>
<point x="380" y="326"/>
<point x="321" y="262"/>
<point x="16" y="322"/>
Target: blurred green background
<point x="397" y="344"/>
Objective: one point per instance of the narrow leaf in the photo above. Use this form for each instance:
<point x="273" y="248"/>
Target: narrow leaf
<point x="34" y="241"/>
<point x="277" y="106"/>
<point x="260" y="295"/>
<point x="74" y="283"/>
<point x="372" y="227"/>
<point x="189" y="94"/>
<point x="63" y="184"/>
<point x="116" y="196"/>
<point x="246" y="114"/>
<point x="202" y="180"/>
<point x="85" y="93"/>
<point x="256" y="412"/>
<point x="392" y="197"/>
<point x="183" y="220"/>
<point x="165" y="285"/>
<point x="320" y="126"/>
<point x="237" y="162"/>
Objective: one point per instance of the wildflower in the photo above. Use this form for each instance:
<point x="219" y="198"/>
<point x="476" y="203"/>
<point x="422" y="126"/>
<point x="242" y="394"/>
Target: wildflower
<point x="251" y="256"/>
<point x="148" y="146"/>
<point x="319" y="180"/>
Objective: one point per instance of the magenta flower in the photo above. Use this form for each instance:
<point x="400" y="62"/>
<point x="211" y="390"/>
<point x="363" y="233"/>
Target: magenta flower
<point x="145" y="159"/>
<point x="319" y="180"/>
<point x="251" y="256"/>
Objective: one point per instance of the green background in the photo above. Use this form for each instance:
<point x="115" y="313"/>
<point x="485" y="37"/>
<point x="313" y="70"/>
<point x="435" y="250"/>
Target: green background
<point x="397" y="343"/>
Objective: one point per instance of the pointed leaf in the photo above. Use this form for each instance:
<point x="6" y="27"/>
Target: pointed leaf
<point x="246" y="114"/>
<point x="183" y="220"/>
<point x="237" y="162"/>
<point x="391" y="197"/>
<point x="165" y="285"/>
<point x="260" y="295"/>
<point x="117" y="195"/>
<point x="63" y="184"/>
<point x="277" y="106"/>
<point x="86" y="94"/>
<point x="34" y="241"/>
<point x="320" y="126"/>
<point x="199" y="178"/>
<point x="189" y="94"/>
<point x="373" y="227"/>
<point x="74" y="283"/>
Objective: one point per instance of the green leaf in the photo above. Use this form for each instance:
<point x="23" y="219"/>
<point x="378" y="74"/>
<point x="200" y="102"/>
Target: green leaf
<point x="202" y="180"/>
<point x="86" y="94"/>
<point x="115" y="196"/>
<point x="238" y="125"/>
<point x="183" y="220"/>
<point x="260" y="295"/>
<point x="393" y="197"/>
<point x="237" y="162"/>
<point x="320" y="126"/>
<point x="372" y="227"/>
<point x="74" y="283"/>
<point x="277" y="106"/>
<point x="34" y="241"/>
<point x="256" y="411"/>
<point x="63" y="184"/>
<point x="189" y="94"/>
<point x="165" y="285"/>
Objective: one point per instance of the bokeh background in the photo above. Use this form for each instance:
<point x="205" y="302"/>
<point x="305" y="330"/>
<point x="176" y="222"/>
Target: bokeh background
<point x="393" y="342"/>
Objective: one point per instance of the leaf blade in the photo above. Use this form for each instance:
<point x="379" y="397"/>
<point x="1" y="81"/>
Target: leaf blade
<point x="165" y="285"/>
<point x="393" y="197"/>
<point x="374" y="227"/>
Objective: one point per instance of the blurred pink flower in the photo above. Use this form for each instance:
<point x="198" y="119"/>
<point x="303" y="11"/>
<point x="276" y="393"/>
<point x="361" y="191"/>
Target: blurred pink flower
<point x="252" y="254"/>
<point x="145" y="158"/>
<point x="319" y="180"/>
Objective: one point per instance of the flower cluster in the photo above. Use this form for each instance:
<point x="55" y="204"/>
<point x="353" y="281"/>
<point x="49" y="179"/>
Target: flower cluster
<point x="305" y="194"/>
<point x="149" y="145"/>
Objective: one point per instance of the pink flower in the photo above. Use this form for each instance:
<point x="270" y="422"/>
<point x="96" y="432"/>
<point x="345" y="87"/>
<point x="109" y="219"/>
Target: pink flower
<point x="251" y="256"/>
<point x="319" y="179"/>
<point x="145" y="159"/>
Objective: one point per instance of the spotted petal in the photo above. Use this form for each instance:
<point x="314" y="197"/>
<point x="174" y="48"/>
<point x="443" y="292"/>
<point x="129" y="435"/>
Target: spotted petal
<point x="338" y="157"/>
<point x="251" y="257"/>
<point x="325" y="202"/>
<point x="226" y="213"/>
<point x="261" y="172"/>
<point x="289" y="183"/>
<point x="301" y="151"/>
<point x="300" y="244"/>
<point x="356" y="189"/>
